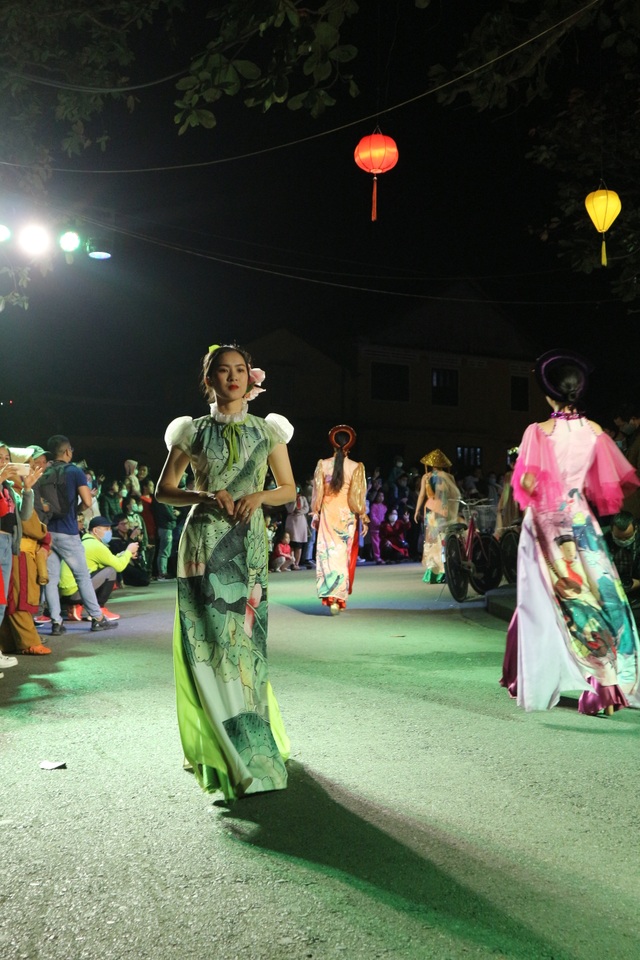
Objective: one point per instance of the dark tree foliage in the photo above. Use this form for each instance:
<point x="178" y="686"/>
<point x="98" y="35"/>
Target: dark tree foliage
<point x="576" y="68"/>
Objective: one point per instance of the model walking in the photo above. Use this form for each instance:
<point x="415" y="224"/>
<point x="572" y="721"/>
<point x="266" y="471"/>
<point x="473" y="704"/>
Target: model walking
<point x="339" y="489"/>
<point x="232" y="732"/>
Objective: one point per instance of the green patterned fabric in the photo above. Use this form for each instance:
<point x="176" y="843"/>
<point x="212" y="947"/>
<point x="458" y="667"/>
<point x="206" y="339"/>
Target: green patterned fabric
<point x="231" y="729"/>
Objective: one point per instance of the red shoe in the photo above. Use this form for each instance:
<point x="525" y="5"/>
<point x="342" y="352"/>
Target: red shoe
<point x="108" y="615"/>
<point x="74" y="613"/>
<point x="41" y="620"/>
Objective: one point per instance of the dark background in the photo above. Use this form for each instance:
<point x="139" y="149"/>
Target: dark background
<point x="199" y="254"/>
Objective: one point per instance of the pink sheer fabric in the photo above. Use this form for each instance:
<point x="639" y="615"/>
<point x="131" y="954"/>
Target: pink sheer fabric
<point x="573" y="629"/>
<point x="609" y="472"/>
<point x="609" y="475"/>
<point x="536" y="457"/>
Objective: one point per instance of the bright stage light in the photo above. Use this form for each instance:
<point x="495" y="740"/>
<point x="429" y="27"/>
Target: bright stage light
<point x="69" y="241"/>
<point x="96" y="248"/>
<point x="34" y="240"/>
<point x="5" y="233"/>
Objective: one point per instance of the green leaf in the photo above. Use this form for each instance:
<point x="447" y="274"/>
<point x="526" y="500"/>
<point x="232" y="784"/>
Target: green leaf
<point x="206" y="119"/>
<point x="187" y="83"/>
<point x="295" y="103"/>
<point x="247" y="69"/>
<point x="422" y="4"/>
<point x="344" y="53"/>
<point x="326" y="35"/>
<point x="322" y="71"/>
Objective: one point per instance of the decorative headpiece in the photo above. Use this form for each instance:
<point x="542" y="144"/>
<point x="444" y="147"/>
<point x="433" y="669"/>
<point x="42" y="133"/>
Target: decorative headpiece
<point x="342" y="428"/>
<point x="256" y="374"/>
<point x="552" y="358"/>
<point x="436" y="459"/>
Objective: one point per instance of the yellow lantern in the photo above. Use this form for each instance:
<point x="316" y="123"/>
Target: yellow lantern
<point x="603" y="206"/>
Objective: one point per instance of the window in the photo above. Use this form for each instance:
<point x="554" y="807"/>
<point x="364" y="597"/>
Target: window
<point x="444" y="387"/>
<point x="469" y="456"/>
<point x="390" y="381"/>
<point x="520" y="393"/>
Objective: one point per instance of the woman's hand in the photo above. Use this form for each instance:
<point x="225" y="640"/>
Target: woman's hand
<point x="32" y="477"/>
<point x="528" y="482"/>
<point x="220" y="498"/>
<point x="246" y="506"/>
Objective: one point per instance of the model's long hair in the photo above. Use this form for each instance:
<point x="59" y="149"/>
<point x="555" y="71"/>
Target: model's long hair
<point x="341" y="438"/>
<point x="211" y="360"/>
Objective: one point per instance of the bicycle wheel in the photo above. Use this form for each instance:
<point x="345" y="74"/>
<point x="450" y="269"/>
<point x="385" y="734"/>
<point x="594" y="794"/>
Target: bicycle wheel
<point x="486" y="563"/>
<point x="509" y="554"/>
<point x="456" y="576"/>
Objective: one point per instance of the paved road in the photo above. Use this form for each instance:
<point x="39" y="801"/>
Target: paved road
<point x="426" y="817"/>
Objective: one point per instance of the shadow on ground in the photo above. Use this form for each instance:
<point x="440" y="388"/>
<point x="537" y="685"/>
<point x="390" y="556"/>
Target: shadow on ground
<point x="332" y="832"/>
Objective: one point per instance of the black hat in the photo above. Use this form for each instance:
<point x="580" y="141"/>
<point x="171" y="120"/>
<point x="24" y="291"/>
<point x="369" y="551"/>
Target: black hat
<point x="99" y="522"/>
<point x="554" y="358"/>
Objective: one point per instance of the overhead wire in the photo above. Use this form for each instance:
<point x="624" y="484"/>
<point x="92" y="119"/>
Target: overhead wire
<point x="324" y="133"/>
<point x="249" y="265"/>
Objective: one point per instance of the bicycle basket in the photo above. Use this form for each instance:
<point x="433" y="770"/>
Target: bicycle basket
<point x="485" y="514"/>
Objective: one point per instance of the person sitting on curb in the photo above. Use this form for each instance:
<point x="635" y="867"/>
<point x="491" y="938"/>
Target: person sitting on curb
<point x="103" y="566"/>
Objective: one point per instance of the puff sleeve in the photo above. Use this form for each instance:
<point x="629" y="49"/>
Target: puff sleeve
<point x="537" y="457"/>
<point x="609" y="477"/>
<point x="180" y="433"/>
<point x="280" y="430"/>
<point x="357" y="491"/>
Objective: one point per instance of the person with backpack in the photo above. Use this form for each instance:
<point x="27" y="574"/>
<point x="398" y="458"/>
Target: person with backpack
<point x="61" y="485"/>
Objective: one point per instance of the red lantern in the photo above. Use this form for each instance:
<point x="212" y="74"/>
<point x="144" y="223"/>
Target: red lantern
<point x="376" y="154"/>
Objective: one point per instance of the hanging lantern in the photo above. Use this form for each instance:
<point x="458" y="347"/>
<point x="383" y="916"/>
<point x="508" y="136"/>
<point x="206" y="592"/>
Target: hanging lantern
<point x="376" y="154"/>
<point x="603" y="206"/>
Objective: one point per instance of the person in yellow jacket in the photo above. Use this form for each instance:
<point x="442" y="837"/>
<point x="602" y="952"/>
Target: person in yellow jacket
<point x="103" y="566"/>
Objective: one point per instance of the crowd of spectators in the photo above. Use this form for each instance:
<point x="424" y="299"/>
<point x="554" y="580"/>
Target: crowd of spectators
<point x="394" y="535"/>
<point x="128" y="539"/>
<point x="63" y="554"/>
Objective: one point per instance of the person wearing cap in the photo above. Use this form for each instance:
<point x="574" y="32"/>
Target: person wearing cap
<point x="103" y="566"/>
<point x="338" y="505"/>
<point x="65" y="544"/>
<point x="438" y="505"/>
<point x="572" y="628"/>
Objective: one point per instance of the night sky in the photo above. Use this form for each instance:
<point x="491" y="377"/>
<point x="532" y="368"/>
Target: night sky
<point x="458" y="206"/>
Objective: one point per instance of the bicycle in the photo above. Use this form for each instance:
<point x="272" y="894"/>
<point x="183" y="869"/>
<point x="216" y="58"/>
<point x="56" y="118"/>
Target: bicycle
<point x="471" y="552"/>
<point x="508" y="541"/>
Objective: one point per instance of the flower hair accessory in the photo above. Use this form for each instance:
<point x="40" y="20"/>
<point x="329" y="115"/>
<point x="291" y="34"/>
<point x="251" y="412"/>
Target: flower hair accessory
<point x="256" y="376"/>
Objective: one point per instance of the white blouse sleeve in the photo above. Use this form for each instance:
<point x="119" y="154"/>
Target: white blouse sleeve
<point x="180" y="433"/>
<point x="280" y="430"/>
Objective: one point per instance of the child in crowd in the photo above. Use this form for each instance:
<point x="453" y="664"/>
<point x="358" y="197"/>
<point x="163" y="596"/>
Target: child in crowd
<point x="377" y="515"/>
<point x="282" y="556"/>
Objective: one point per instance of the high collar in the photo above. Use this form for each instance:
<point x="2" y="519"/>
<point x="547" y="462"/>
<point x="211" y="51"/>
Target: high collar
<point x="229" y="417"/>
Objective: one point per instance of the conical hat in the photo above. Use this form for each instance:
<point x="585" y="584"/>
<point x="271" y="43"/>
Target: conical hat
<point x="436" y="459"/>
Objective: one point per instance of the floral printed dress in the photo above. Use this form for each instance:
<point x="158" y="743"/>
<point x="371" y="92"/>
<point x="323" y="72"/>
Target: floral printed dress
<point x="230" y="724"/>
<point x="573" y="628"/>
<point x="337" y="543"/>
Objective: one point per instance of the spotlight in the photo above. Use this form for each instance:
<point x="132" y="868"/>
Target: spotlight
<point x="5" y="233"/>
<point x="69" y="241"/>
<point x="34" y="240"/>
<point x="96" y="248"/>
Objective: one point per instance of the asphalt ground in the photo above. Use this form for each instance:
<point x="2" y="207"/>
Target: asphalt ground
<point x="426" y="815"/>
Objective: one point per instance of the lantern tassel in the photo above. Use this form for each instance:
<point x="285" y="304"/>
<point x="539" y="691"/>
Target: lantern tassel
<point x="603" y="253"/>
<point x="374" y="199"/>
